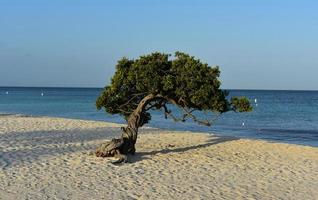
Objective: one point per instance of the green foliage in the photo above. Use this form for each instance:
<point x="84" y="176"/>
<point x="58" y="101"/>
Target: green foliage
<point x="183" y="79"/>
<point x="241" y="104"/>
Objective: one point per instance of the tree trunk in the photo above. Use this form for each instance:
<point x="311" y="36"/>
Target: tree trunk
<point x="126" y="144"/>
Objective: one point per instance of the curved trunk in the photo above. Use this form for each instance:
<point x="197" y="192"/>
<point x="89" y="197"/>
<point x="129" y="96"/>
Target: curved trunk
<point x="126" y="144"/>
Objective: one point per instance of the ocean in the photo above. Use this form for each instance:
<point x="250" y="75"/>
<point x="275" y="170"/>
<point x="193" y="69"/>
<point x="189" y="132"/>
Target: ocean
<point x="278" y="116"/>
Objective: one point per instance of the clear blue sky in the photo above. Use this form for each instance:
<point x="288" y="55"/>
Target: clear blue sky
<point x="258" y="44"/>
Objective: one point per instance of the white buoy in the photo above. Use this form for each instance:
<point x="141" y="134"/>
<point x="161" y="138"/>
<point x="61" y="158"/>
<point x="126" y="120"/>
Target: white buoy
<point x="255" y="100"/>
<point x="42" y="94"/>
<point x="7" y="92"/>
<point x="243" y="124"/>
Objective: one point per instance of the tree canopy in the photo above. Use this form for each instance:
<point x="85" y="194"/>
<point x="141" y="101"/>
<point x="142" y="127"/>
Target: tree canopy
<point x="181" y="80"/>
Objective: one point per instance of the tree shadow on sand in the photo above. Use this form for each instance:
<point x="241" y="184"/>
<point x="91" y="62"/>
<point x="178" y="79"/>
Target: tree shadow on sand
<point x="212" y="141"/>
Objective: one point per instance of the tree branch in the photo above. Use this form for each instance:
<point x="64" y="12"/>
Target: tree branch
<point x="124" y="111"/>
<point x="160" y="101"/>
<point x="168" y="113"/>
<point x="187" y="113"/>
<point x="134" y="96"/>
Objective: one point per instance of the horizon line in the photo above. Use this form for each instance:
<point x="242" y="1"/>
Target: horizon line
<point x="78" y="87"/>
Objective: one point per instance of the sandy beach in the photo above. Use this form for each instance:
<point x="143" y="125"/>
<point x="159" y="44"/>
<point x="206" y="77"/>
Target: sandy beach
<point x="48" y="158"/>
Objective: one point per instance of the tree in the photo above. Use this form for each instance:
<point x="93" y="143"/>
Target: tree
<point x="154" y="81"/>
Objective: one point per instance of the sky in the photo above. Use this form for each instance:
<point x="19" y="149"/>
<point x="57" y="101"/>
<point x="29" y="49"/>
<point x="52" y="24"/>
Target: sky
<point x="258" y="44"/>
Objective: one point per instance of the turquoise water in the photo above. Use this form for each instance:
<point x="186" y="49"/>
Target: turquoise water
<point x="284" y="116"/>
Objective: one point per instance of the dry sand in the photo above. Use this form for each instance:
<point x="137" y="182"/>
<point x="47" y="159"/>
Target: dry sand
<point x="47" y="158"/>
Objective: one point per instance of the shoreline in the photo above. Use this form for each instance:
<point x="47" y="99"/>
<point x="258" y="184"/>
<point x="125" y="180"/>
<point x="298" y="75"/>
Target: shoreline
<point x="163" y="129"/>
<point x="47" y="158"/>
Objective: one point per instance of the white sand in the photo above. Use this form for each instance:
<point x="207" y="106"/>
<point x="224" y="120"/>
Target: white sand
<point x="46" y="158"/>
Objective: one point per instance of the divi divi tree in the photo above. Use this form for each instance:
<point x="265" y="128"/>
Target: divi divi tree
<point x="154" y="81"/>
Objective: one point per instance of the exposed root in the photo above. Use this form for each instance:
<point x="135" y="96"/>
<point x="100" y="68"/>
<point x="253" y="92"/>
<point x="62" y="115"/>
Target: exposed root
<point x="112" y="149"/>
